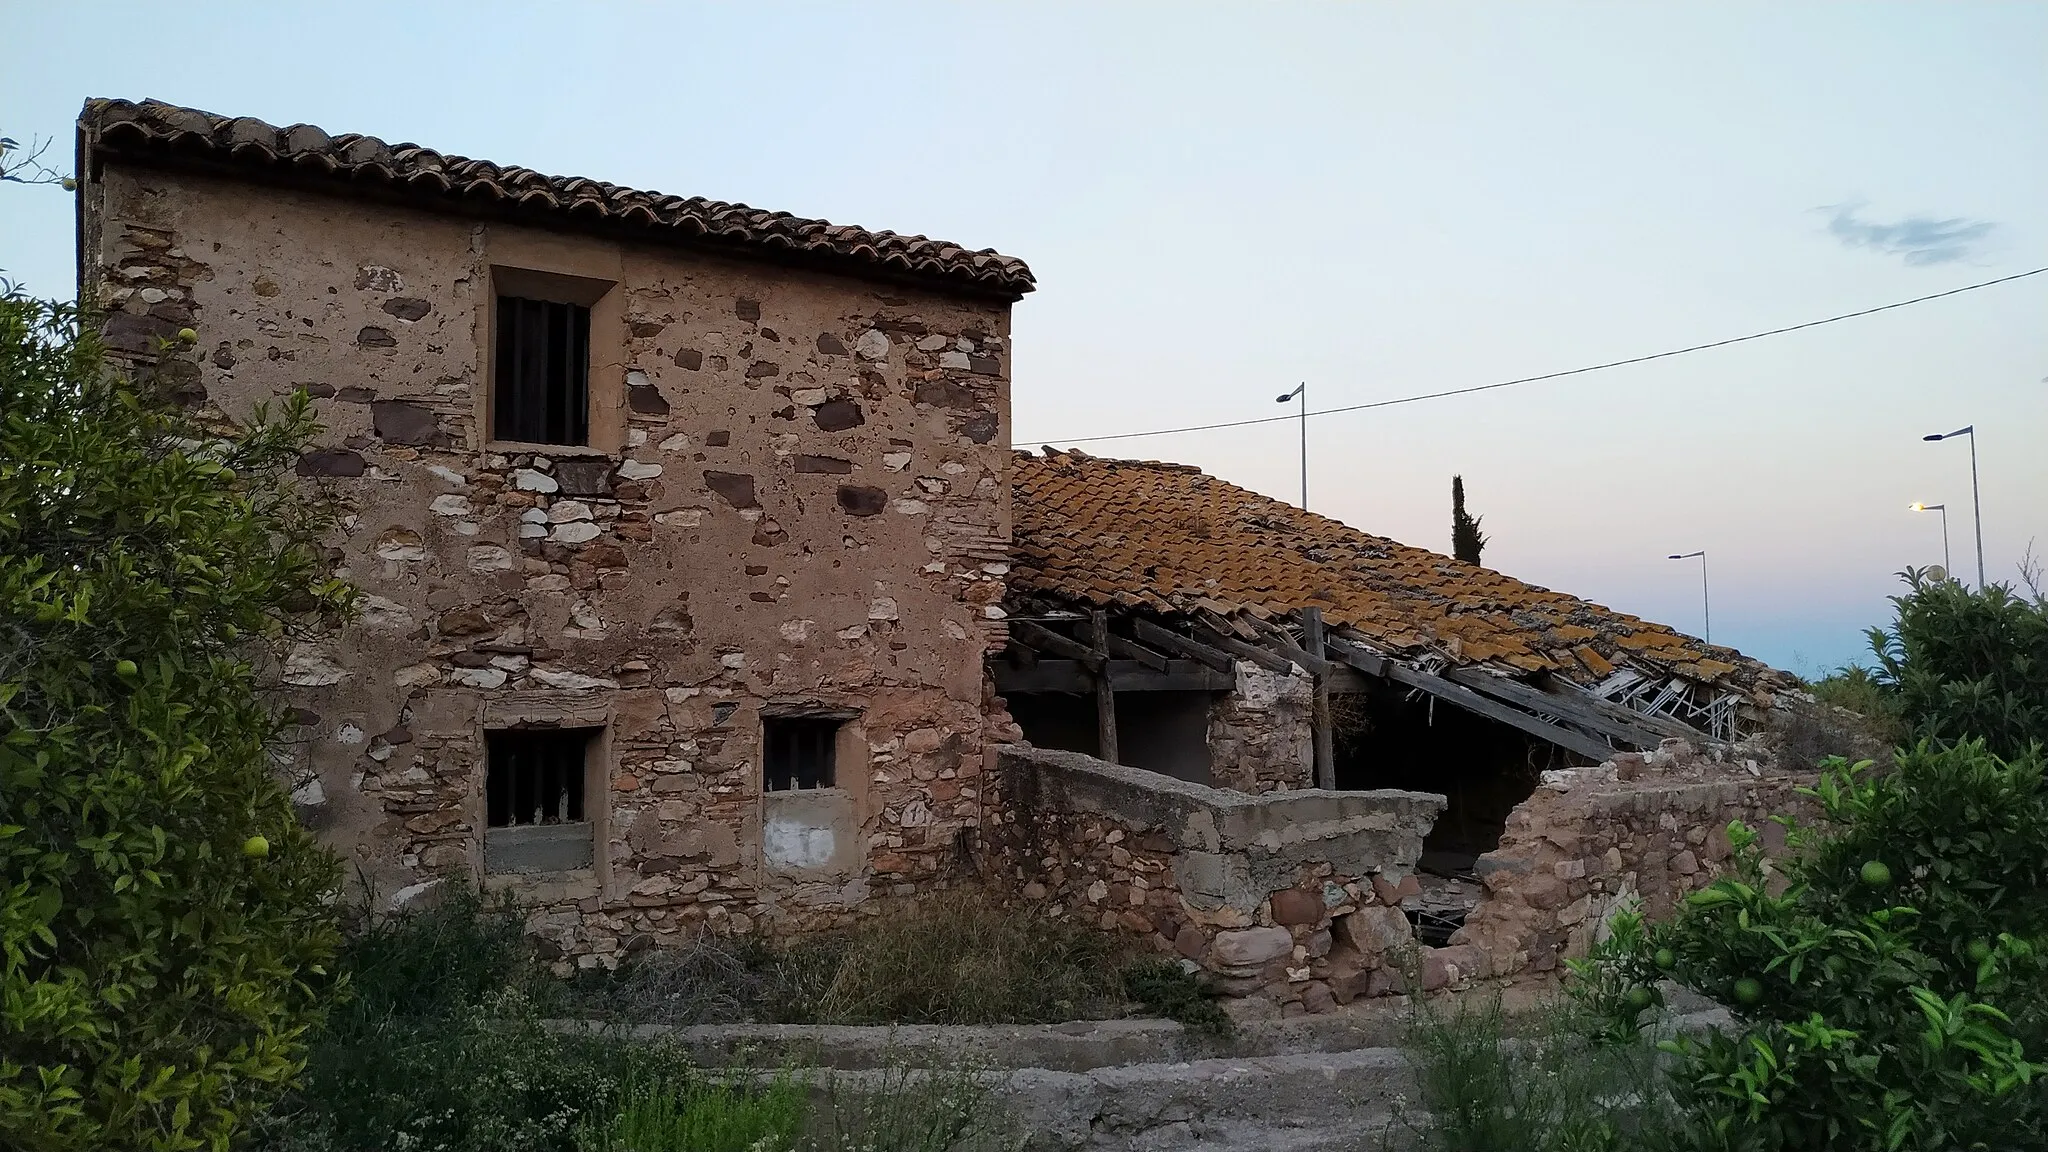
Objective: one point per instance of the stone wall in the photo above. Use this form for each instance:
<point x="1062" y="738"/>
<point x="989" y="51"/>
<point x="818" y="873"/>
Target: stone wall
<point x="794" y="497"/>
<point x="1642" y="829"/>
<point x="1261" y="736"/>
<point x="1293" y="897"/>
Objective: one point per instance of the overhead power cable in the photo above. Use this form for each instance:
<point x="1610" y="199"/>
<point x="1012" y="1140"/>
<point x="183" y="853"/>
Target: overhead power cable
<point x="1545" y="376"/>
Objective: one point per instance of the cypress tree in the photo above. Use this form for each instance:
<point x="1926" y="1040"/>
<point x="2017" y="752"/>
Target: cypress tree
<point x="1467" y="541"/>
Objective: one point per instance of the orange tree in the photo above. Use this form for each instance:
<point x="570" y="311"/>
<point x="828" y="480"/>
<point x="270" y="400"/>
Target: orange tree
<point x="164" y="920"/>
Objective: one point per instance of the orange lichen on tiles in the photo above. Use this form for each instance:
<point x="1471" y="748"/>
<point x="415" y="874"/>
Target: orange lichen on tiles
<point x="1177" y="541"/>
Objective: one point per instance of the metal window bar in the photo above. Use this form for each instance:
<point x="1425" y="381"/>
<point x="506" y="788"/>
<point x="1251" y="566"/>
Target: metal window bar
<point x="534" y="776"/>
<point x="797" y="752"/>
<point x="543" y="372"/>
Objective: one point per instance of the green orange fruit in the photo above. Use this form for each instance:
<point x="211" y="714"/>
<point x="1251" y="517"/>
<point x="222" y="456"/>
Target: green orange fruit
<point x="1978" y="951"/>
<point x="1876" y="874"/>
<point x="1665" y="960"/>
<point x="256" y="847"/>
<point x="126" y="669"/>
<point x="1640" y="998"/>
<point x="1748" y="991"/>
<point x="188" y="336"/>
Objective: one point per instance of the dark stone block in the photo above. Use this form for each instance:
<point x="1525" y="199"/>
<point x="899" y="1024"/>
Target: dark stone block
<point x="858" y="500"/>
<point x="224" y="356"/>
<point x="642" y="329"/>
<point x="584" y="477"/>
<point x="398" y="422"/>
<point x="838" y="416"/>
<point x="831" y="345"/>
<point x="646" y="400"/>
<point x="376" y="338"/>
<point x="718" y="439"/>
<point x="352" y="394"/>
<point x="735" y="488"/>
<point x="330" y="462"/>
<point x="690" y="359"/>
<point x="760" y="368"/>
<point x="1294" y="906"/>
<point x="407" y="308"/>
<point x="128" y="332"/>
<point x="984" y="366"/>
<point x="745" y="309"/>
<point x="945" y="394"/>
<point x="981" y="429"/>
<point x="830" y="465"/>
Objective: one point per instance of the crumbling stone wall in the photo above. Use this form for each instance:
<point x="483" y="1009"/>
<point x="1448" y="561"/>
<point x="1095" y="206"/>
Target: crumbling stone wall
<point x="794" y="496"/>
<point x="1642" y="829"/>
<point x="1291" y="897"/>
<point x="1261" y="736"/>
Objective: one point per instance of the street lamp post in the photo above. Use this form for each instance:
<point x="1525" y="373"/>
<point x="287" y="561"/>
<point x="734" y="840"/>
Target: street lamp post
<point x="1301" y="393"/>
<point x="1706" y="606"/>
<point x="1976" y="500"/>
<point x="1943" y="509"/>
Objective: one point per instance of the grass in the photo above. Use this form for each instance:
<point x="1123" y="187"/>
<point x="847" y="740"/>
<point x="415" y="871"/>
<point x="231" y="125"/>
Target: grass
<point x="1857" y="689"/>
<point x="437" y="1037"/>
<point x="1491" y="1082"/>
<point x="701" y="1115"/>
<point x="952" y="960"/>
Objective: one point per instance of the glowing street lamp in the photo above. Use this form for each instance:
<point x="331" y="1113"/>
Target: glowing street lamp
<point x="1976" y="501"/>
<point x="1301" y="393"/>
<point x="1943" y="509"/>
<point x="1706" y="608"/>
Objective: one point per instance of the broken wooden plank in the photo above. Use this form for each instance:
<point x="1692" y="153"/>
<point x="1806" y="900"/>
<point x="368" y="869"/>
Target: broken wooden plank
<point x="1319" y="711"/>
<point x="1280" y="642"/>
<point x="1369" y="663"/>
<point x="1075" y="678"/>
<point x="1175" y="642"/>
<point x="1046" y="640"/>
<point x="1118" y="646"/>
<point x="1105" y="689"/>
<point x="1582" y="710"/>
<point x="1593" y="749"/>
<point x="1263" y="657"/>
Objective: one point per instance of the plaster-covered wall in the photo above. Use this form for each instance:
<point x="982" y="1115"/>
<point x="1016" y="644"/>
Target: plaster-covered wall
<point x="794" y="496"/>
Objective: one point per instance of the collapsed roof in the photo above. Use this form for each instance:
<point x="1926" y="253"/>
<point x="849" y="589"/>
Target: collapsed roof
<point x="1171" y="541"/>
<point x="364" y="166"/>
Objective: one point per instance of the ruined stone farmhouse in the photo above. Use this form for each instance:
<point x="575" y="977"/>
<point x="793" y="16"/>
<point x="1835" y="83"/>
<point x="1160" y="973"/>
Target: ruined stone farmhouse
<point x="701" y="587"/>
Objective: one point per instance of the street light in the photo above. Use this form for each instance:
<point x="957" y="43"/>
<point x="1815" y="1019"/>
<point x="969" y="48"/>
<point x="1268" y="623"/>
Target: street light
<point x="1706" y="608"/>
<point x="1943" y="509"/>
<point x="1976" y="501"/>
<point x="1301" y="392"/>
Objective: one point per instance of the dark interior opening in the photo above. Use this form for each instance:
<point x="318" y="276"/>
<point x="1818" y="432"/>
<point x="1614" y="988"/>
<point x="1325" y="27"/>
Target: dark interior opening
<point x="543" y="372"/>
<point x="798" y="752"/>
<point x="1392" y="737"/>
<point x="535" y="775"/>
<point x="1163" y="732"/>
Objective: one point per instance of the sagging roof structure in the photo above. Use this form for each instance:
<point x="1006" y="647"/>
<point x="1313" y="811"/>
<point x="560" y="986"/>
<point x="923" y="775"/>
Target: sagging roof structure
<point x="301" y="155"/>
<point x="1139" y="574"/>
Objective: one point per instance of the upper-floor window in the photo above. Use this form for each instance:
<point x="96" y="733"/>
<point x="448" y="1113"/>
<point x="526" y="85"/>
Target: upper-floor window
<point x="543" y="372"/>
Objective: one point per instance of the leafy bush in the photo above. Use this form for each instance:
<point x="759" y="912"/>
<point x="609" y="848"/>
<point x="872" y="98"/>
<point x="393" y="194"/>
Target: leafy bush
<point x="1962" y="664"/>
<point x="1164" y="988"/>
<point x="1889" y="987"/>
<point x="1860" y="690"/>
<point x="162" y="914"/>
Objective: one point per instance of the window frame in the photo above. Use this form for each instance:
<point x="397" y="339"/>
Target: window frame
<point x="566" y="844"/>
<point x="540" y="372"/>
<point x="819" y="734"/>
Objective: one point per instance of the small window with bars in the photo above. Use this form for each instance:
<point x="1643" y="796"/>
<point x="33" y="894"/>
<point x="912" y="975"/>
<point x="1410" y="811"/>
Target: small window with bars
<point x="542" y="392"/>
<point x="535" y="776"/>
<point x="797" y="752"/>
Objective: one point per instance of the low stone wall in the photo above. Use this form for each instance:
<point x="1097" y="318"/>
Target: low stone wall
<point x="1292" y="896"/>
<point x="1642" y="828"/>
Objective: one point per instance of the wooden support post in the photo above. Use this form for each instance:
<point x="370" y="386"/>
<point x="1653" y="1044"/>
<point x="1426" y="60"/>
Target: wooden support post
<point x="1319" y="724"/>
<point x="1105" y="693"/>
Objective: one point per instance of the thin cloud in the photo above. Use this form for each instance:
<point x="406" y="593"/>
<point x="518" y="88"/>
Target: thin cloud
<point x="1919" y="240"/>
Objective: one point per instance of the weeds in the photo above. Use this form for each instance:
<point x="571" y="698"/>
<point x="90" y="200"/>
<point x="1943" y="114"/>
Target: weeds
<point x="716" y="1115"/>
<point x="1540" y="1083"/>
<point x="1165" y="988"/>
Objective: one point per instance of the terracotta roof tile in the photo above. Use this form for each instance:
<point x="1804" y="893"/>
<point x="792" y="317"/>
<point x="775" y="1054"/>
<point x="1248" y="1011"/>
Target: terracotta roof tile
<point x="364" y="165"/>
<point x="1102" y="531"/>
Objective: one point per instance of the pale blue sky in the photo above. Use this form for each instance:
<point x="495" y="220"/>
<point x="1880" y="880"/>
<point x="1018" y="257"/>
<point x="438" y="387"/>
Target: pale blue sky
<point x="1220" y="201"/>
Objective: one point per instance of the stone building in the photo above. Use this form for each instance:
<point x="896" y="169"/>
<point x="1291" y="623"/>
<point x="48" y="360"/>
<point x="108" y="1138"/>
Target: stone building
<point x="692" y="597"/>
<point x="681" y="526"/>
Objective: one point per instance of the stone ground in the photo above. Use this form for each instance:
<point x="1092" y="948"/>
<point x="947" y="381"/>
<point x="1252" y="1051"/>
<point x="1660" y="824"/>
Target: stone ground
<point x="1336" y="1082"/>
